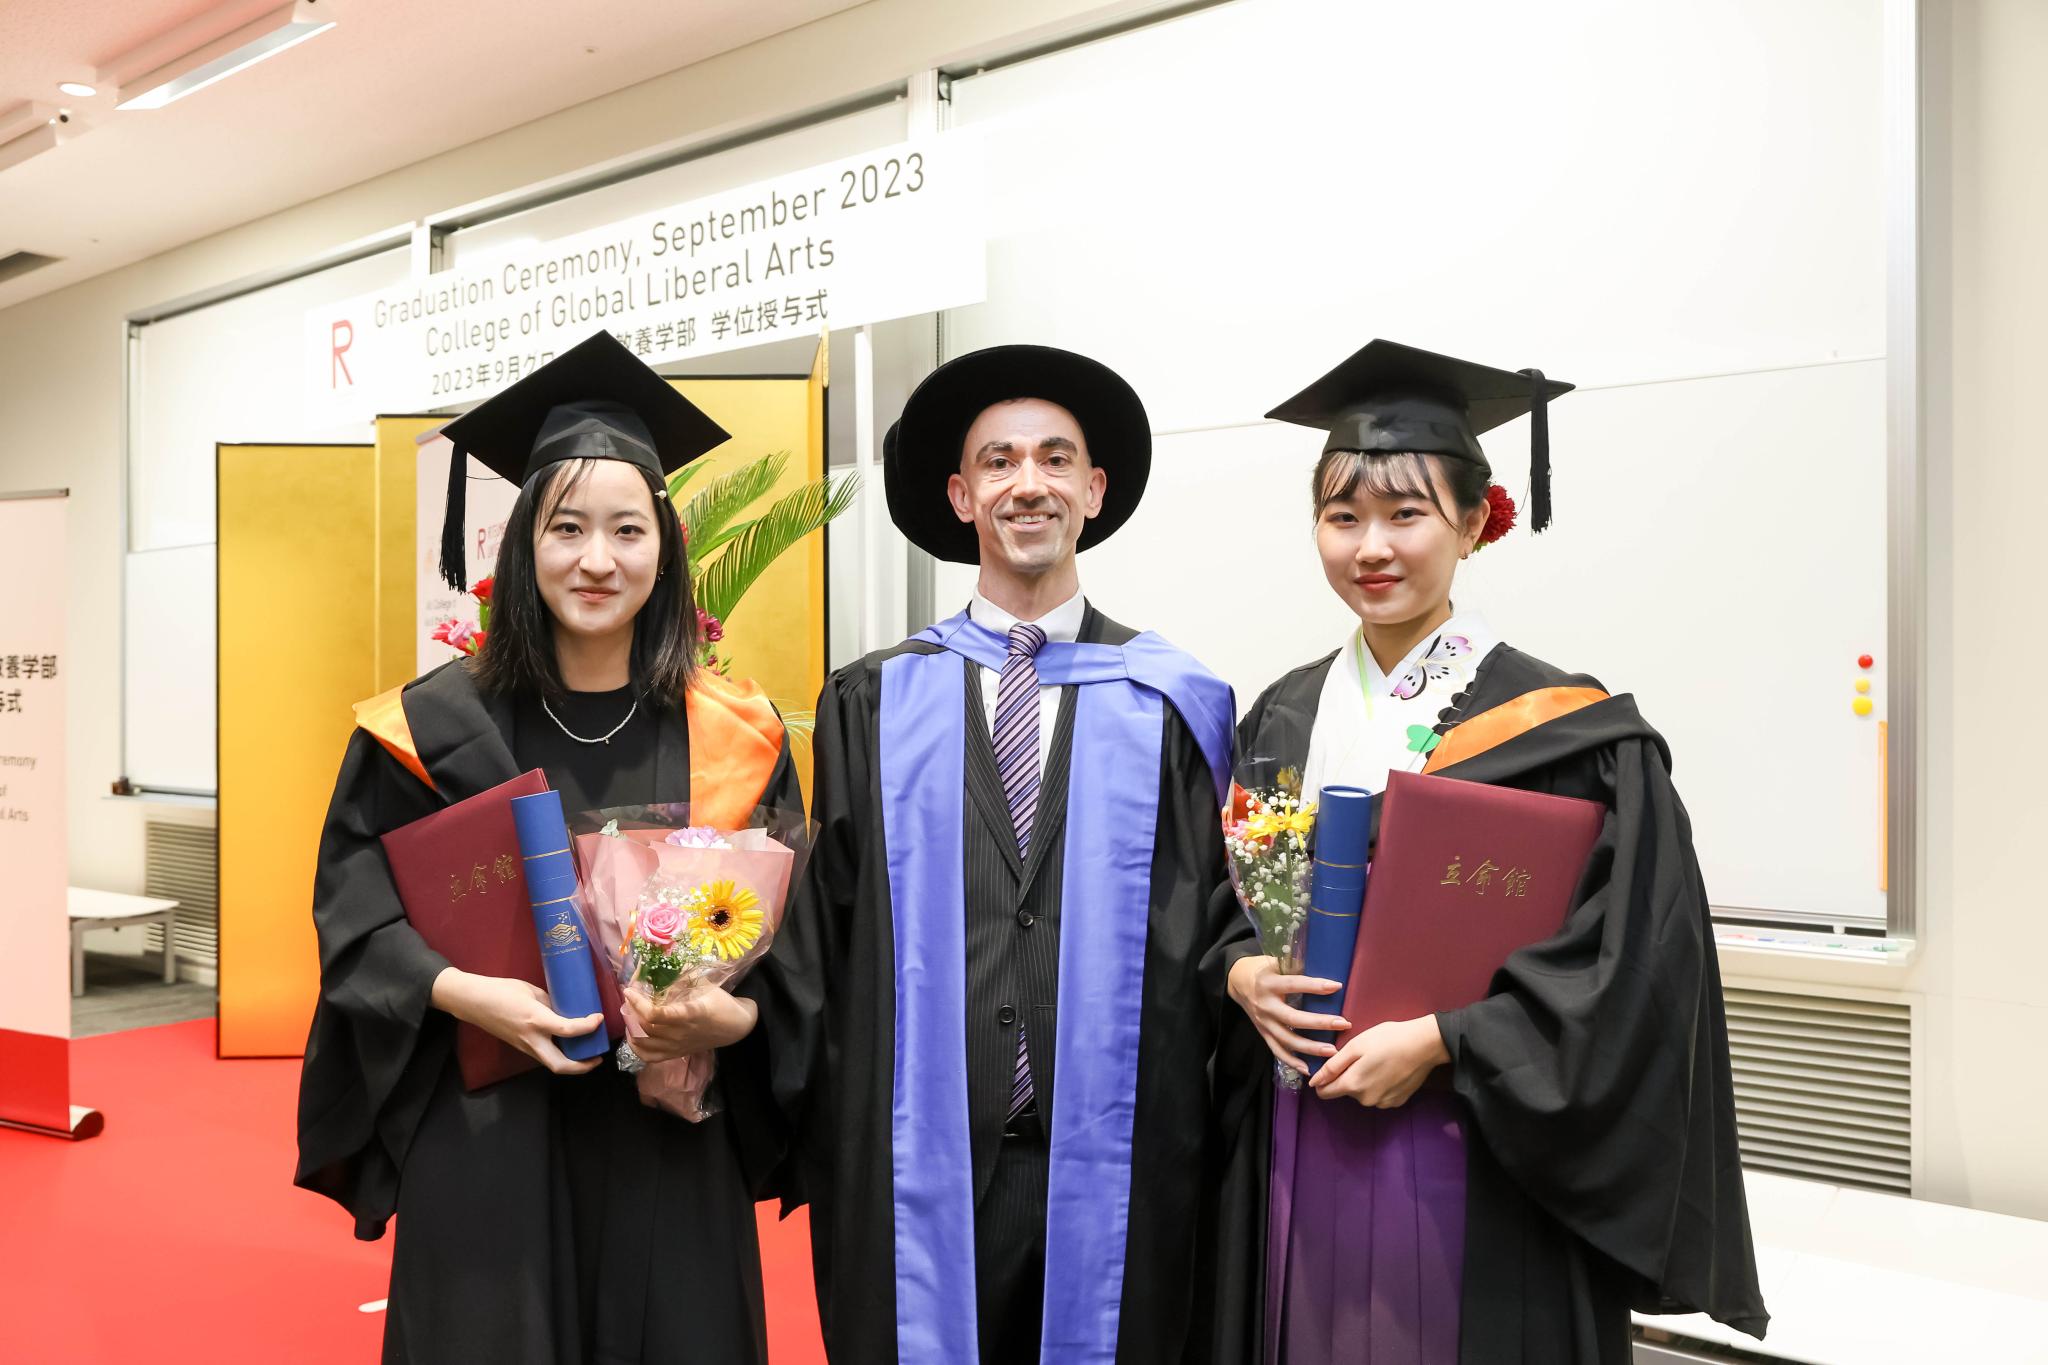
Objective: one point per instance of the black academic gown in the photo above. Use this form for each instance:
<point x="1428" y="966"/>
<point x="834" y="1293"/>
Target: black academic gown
<point x="544" y="1220"/>
<point x="828" y="1001"/>
<point x="1603" y="1171"/>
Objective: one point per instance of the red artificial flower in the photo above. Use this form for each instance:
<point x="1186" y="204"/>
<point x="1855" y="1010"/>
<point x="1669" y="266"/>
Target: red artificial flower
<point x="1500" y="514"/>
<point x="459" y="635"/>
<point x="482" y="591"/>
<point x="709" y="627"/>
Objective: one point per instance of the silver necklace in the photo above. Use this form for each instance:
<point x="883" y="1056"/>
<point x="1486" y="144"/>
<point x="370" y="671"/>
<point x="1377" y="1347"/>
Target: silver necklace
<point x="604" y="738"/>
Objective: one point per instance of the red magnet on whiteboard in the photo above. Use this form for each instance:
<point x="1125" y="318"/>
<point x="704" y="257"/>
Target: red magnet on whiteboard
<point x="1865" y="661"/>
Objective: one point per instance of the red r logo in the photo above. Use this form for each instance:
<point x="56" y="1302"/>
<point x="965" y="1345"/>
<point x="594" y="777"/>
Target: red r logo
<point x="343" y="336"/>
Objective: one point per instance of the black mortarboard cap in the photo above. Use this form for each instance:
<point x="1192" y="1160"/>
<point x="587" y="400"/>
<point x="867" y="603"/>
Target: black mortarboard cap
<point x="1388" y="398"/>
<point x="925" y="448"/>
<point x="594" y="401"/>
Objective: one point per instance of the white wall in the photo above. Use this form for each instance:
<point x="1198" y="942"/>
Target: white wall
<point x="1979" y="984"/>
<point x="1980" y="981"/>
<point x="1986" y="988"/>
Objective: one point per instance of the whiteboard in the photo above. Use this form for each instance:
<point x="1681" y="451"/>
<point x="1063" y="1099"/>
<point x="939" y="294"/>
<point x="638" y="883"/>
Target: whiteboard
<point x="232" y="372"/>
<point x="1576" y="186"/>
<point x="218" y="375"/>
<point x="171" y="668"/>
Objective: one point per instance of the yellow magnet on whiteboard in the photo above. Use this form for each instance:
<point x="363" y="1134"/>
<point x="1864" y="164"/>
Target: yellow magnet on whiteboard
<point x="1863" y="706"/>
<point x="1863" y="684"/>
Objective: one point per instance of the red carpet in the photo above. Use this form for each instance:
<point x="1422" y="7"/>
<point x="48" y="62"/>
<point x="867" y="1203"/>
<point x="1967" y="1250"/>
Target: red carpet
<point x="176" y="1236"/>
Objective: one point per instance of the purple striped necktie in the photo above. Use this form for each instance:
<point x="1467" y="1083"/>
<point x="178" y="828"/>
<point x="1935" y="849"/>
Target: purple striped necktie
<point x="1016" y="744"/>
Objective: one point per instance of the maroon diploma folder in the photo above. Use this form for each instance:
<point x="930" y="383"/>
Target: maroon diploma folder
<point x="463" y="884"/>
<point x="1465" y="874"/>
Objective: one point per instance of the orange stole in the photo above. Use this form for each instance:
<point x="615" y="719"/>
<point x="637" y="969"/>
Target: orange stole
<point x="384" y="717"/>
<point x="1490" y="729"/>
<point x="735" y="739"/>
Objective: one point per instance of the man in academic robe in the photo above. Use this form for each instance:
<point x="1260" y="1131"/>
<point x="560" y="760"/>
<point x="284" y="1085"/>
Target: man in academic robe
<point x="994" y="1003"/>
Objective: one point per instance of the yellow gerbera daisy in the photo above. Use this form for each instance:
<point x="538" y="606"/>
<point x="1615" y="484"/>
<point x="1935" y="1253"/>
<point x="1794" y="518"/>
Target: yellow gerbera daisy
<point x="727" y="920"/>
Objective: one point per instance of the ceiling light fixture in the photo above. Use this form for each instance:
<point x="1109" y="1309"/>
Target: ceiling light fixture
<point x="46" y="131"/>
<point x="24" y="118"/>
<point x="31" y="129"/>
<point x="284" y="27"/>
<point x="77" y="89"/>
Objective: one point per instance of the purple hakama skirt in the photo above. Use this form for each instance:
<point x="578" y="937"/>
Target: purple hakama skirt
<point x="1365" y="1231"/>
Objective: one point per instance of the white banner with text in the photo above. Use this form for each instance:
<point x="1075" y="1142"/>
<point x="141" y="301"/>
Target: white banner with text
<point x="888" y="234"/>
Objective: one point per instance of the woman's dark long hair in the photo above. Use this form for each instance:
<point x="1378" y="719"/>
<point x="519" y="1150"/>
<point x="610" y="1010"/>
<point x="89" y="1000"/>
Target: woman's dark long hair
<point x="518" y="654"/>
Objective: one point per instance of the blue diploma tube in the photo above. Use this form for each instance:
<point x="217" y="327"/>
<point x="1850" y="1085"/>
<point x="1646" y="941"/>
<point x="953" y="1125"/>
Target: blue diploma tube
<point x="1336" y="895"/>
<point x="558" y="918"/>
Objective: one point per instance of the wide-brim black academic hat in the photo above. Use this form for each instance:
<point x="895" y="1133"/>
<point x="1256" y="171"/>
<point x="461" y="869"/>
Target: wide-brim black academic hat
<point x="595" y="401"/>
<point x="1387" y="398"/>
<point x="926" y="449"/>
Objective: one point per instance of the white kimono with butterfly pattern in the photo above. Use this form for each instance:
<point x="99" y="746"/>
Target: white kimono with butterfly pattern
<point x="1370" y="723"/>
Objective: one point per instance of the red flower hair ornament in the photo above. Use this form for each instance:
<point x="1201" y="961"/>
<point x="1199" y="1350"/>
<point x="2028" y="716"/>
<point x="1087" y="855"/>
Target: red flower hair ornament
<point x="1500" y="516"/>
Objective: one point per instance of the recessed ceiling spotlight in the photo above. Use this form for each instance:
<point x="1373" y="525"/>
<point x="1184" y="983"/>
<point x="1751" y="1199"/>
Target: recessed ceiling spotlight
<point x="79" y="89"/>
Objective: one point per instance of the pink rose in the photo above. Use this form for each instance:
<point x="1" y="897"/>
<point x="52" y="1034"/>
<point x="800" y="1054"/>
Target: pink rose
<point x="661" y="924"/>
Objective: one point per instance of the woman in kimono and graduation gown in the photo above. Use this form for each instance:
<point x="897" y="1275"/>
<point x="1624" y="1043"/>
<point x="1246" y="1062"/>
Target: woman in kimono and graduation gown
<point x="1504" y="1182"/>
<point x="550" y="1218"/>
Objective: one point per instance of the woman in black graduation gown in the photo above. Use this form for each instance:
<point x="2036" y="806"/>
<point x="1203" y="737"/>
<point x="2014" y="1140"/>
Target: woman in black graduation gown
<point x="1582" y="1160"/>
<point x="550" y="1218"/>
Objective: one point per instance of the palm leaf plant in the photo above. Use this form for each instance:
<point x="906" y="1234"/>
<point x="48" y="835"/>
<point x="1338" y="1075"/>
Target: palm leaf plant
<point x="730" y="545"/>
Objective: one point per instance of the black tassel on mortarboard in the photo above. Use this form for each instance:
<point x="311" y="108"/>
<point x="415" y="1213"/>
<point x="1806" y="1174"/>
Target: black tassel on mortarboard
<point x="1539" y="455"/>
<point x="452" y="568"/>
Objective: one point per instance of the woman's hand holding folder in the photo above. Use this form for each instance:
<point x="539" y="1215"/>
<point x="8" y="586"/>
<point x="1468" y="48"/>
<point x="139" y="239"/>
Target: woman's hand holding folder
<point x="515" y="1012"/>
<point x="1384" y="1066"/>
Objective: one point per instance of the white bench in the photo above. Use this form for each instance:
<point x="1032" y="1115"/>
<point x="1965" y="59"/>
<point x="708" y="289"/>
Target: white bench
<point x="111" y="910"/>
<point x="1853" y="1277"/>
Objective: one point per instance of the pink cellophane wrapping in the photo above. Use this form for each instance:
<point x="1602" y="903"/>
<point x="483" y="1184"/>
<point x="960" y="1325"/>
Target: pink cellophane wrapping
<point x="617" y="869"/>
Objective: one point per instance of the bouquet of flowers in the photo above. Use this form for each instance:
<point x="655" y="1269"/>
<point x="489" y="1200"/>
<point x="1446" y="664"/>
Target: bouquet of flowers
<point x="1267" y="830"/>
<point x="681" y="907"/>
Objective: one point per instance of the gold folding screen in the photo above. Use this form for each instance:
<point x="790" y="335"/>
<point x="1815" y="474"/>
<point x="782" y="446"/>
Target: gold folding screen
<point x="315" y="587"/>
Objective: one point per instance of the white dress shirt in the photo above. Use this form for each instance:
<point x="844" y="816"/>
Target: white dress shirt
<point x="1062" y="623"/>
